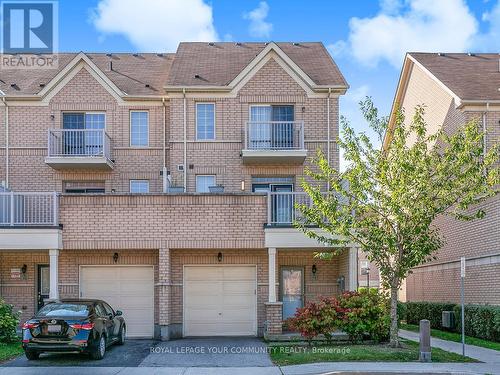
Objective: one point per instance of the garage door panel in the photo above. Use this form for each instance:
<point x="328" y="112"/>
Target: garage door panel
<point x="126" y="288"/>
<point x="222" y="303"/>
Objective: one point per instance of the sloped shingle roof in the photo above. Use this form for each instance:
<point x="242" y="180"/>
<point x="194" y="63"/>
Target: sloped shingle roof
<point x="475" y="77"/>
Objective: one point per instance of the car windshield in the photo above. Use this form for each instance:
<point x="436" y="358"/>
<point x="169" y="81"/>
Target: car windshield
<point x="64" y="309"/>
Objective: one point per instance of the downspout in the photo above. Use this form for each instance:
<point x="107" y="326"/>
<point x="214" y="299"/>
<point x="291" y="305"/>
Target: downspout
<point x="185" y="139"/>
<point x="164" y="169"/>
<point x="6" y="139"/>
<point x="328" y="133"/>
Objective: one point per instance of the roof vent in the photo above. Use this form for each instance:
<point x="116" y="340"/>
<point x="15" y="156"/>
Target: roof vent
<point x="42" y="85"/>
<point x="441" y="54"/>
<point x="109" y="54"/>
<point x="211" y="43"/>
<point x="471" y="54"/>
<point x="147" y="85"/>
<point x="238" y="43"/>
<point x="296" y="44"/>
<point x="159" y="54"/>
<point x="14" y="86"/>
<point x="197" y="76"/>
<point x="135" y="54"/>
<point x="266" y="43"/>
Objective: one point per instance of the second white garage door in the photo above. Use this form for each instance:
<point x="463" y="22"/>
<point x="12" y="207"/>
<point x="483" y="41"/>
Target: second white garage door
<point x="126" y="288"/>
<point x="220" y="301"/>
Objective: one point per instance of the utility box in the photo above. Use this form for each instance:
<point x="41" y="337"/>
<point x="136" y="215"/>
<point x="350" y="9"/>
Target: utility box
<point x="448" y="319"/>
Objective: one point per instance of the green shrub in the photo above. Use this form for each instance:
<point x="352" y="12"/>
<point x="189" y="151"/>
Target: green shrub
<point x="432" y="311"/>
<point x="359" y="314"/>
<point x="364" y="314"/>
<point x="401" y="311"/>
<point x="315" y="318"/>
<point x="9" y="321"/>
<point x="481" y="321"/>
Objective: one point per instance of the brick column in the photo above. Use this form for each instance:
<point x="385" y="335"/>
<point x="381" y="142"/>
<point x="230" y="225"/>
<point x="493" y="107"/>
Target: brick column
<point x="164" y="292"/>
<point x="274" y="319"/>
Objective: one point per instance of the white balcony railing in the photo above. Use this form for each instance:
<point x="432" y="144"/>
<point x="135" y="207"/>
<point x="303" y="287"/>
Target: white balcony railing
<point x="79" y="143"/>
<point x="274" y="135"/>
<point x="281" y="209"/>
<point x="29" y="209"/>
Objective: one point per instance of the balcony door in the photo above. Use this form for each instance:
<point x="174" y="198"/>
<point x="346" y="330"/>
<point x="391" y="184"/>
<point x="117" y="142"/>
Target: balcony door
<point x="282" y="204"/>
<point x="84" y="135"/>
<point x="271" y="126"/>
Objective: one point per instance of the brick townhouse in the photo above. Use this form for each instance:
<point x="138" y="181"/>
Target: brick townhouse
<point x="165" y="184"/>
<point x="456" y="88"/>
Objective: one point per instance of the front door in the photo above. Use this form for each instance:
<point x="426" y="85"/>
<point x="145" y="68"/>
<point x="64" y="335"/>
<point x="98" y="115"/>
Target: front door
<point x="43" y="285"/>
<point x="292" y="290"/>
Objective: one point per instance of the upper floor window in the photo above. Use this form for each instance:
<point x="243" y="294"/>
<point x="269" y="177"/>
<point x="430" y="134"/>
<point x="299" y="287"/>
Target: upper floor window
<point x="203" y="182"/>
<point x="89" y="120"/>
<point x="84" y="187"/>
<point x="272" y="127"/>
<point x="139" y="186"/>
<point x="205" y="121"/>
<point x="139" y="128"/>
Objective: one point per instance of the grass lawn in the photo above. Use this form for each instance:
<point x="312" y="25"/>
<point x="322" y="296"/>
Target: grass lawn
<point x="457" y="337"/>
<point x="8" y="351"/>
<point x="294" y="355"/>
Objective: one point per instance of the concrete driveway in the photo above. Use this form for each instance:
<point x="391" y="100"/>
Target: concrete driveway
<point x="210" y="352"/>
<point x="131" y="354"/>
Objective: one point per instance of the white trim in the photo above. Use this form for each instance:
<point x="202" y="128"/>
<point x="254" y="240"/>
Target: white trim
<point x="271" y="252"/>
<point x="130" y="128"/>
<point x="196" y="123"/>
<point x="74" y="66"/>
<point x="54" y="274"/>
<point x="256" y="323"/>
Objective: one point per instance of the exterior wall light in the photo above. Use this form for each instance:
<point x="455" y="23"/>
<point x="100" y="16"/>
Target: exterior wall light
<point x="314" y="269"/>
<point x="115" y="257"/>
<point x="219" y="257"/>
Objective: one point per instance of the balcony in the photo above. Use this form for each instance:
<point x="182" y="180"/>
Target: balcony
<point x="79" y="149"/>
<point x="281" y="213"/>
<point x="29" y="221"/>
<point x="274" y="142"/>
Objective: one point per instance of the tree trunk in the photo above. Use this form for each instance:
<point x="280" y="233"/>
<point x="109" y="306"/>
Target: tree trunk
<point x="394" y="338"/>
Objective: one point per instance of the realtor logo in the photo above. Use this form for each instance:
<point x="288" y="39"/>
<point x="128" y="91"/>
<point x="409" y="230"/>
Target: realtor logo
<point x="29" y="27"/>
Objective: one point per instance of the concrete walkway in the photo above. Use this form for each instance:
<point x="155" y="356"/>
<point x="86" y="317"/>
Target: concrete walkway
<point x="489" y="356"/>
<point x="337" y="368"/>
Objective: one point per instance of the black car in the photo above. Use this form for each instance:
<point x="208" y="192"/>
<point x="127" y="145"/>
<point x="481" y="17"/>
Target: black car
<point x="71" y="325"/>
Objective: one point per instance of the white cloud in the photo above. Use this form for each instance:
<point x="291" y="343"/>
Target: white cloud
<point x="259" y="27"/>
<point x="156" y="25"/>
<point x="420" y="25"/>
<point x="490" y="40"/>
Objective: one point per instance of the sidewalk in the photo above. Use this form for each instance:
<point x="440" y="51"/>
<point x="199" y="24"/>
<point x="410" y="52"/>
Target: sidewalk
<point x="489" y="356"/>
<point x="307" y="369"/>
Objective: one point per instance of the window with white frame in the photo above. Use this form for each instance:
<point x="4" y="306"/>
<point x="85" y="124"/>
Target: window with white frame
<point x="205" y="121"/>
<point x="139" y="128"/>
<point x="139" y="186"/>
<point x="203" y="182"/>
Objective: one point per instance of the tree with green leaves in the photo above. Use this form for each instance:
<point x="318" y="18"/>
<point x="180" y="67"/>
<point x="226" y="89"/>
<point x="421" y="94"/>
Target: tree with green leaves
<point x="387" y="199"/>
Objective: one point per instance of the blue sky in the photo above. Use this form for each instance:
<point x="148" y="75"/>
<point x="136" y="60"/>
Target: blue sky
<point x="368" y="38"/>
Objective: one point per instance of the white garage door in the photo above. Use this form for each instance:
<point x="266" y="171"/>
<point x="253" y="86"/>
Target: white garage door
<point x="220" y="301"/>
<point x="126" y="288"/>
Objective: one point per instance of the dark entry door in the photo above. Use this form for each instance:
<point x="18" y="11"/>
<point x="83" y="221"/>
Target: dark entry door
<point x="43" y="287"/>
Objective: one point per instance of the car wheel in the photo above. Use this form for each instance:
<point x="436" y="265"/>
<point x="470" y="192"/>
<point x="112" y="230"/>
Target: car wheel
<point x="121" y="339"/>
<point x="100" y="349"/>
<point x="31" y="355"/>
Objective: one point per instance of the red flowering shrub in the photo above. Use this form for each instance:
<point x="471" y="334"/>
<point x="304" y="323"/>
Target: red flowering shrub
<point x="359" y="314"/>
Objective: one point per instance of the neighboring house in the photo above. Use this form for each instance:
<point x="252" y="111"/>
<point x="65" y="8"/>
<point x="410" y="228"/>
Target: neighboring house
<point x="165" y="184"/>
<point x="456" y="88"/>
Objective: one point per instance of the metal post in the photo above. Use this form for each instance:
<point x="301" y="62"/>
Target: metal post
<point x="462" y="298"/>
<point x="11" y="208"/>
<point x="425" y="340"/>
<point x="368" y="278"/>
<point x="268" y="208"/>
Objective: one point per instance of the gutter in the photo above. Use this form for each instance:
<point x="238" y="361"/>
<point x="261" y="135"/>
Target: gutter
<point x="6" y="139"/>
<point x="185" y="138"/>
<point x="485" y="118"/>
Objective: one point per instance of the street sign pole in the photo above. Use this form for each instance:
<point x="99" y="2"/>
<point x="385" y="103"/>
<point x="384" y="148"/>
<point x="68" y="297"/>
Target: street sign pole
<point x="462" y="297"/>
